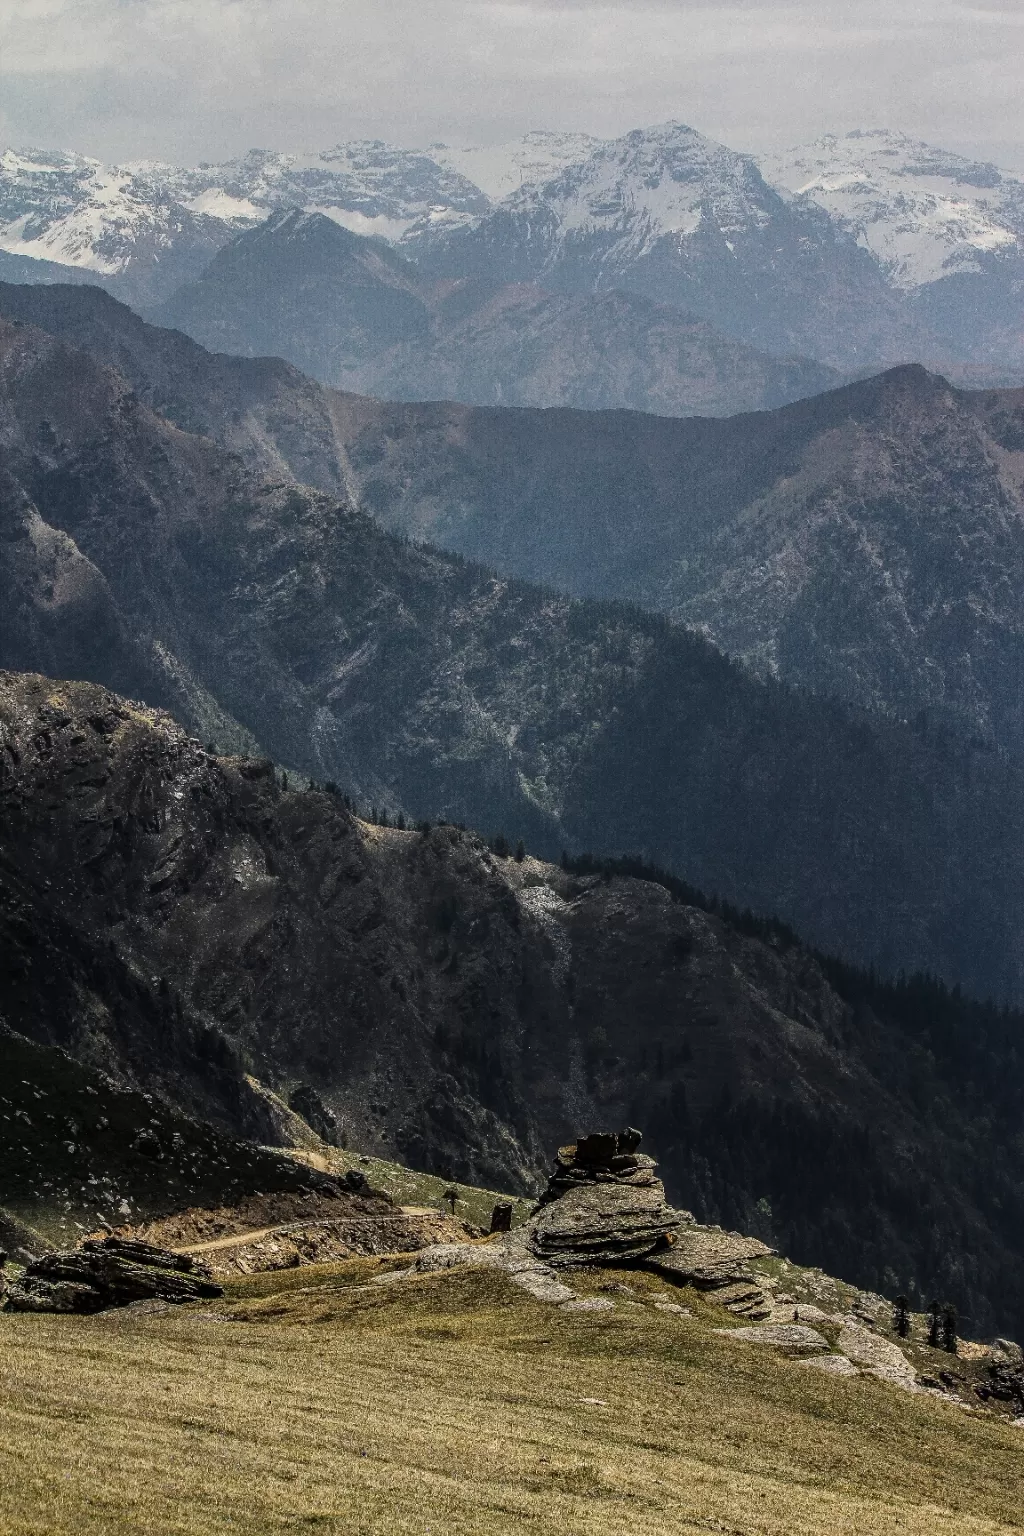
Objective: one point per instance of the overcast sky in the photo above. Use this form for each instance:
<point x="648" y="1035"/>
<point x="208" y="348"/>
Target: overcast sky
<point x="190" y="80"/>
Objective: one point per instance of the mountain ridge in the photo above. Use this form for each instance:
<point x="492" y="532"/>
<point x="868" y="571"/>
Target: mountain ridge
<point x="857" y="543"/>
<point x="184" y="921"/>
<point x="262" y="612"/>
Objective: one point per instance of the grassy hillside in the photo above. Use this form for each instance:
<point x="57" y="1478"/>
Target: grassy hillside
<point x="457" y="1404"/>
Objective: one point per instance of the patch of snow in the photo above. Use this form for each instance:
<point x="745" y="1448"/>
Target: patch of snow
<point x="379" y="225"/>
<point x="502" y="169"/>
<point x="219" y="204"/>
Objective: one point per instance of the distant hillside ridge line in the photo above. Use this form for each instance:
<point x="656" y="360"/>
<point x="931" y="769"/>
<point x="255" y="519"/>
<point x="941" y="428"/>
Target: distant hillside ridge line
<point x="201" y="577"/>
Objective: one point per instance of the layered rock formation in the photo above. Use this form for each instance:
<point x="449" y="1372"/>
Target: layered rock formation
<point x="109" y="1272"/>
<point x="603" y="1204"/>
<point x="717" y="1262"/>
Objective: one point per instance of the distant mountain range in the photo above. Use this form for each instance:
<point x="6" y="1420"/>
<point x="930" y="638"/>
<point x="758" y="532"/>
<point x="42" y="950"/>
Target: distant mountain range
<point x="198" y="575"/>
<point x="357" y="315"/>
<point x="864" y="544"/>
<point x="853" y="252"/>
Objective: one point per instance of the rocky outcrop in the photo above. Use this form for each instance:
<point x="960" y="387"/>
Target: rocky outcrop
<point x="603" y="1204"/>
<point x="716" y="1262"/>
<point x="602" y="1224"/>
<point x="109" y="1272"/>
<point x="1005" y="1383"/>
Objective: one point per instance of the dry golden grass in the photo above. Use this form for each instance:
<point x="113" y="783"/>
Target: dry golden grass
<point x="455" y="1404"/>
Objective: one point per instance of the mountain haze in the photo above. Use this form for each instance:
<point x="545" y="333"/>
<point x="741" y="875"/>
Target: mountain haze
<point x="356" y="315"/>
<point x="860" y="544"/>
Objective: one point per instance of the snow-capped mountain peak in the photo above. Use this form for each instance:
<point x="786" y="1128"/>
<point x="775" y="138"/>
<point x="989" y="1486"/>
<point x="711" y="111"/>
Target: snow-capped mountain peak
<point x="68" y="208"/>
<point x="924" y="213"/>
<point x="74" y="210"/>
<point x="367" y="186"/>
<point x="654" y="182"/>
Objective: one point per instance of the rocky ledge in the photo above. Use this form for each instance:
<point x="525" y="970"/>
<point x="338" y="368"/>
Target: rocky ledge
<point x="109" y="1272"/>
<point x="716" y="1261"/>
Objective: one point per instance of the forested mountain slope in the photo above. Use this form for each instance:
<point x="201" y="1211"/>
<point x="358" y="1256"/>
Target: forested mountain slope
<point x="189" y="925"/>
<point x="867" y="543"/>
<point x="149" y="559"/>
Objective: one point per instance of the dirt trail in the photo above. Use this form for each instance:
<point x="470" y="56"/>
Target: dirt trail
<point x="242" y="1239"/>
<point x="237" y="1239"/>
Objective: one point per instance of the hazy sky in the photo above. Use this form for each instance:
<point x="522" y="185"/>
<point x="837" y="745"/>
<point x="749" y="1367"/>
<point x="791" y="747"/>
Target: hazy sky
<point x="199" y="79"/>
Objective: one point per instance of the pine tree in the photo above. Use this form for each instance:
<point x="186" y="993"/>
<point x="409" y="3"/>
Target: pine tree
<point x="901" y="1317"/>
<point x="949" y="1322"/>
<point x="934" y="1324"/>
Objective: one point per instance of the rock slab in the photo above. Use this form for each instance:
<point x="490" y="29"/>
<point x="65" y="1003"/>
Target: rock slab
<point x="112" y="1272"/>
<point x="779" y="1336"/>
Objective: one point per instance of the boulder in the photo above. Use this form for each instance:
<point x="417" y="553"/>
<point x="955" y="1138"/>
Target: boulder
<point x="501" y="1216"/>
<point x="109" y="1272"/>
<point x="715" y="1261"/>
<point x="139" y="1252"/>
<point x="832" y="1365"/>
<point x="878" y="1355"/>
<point x="708" y="1257"/>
